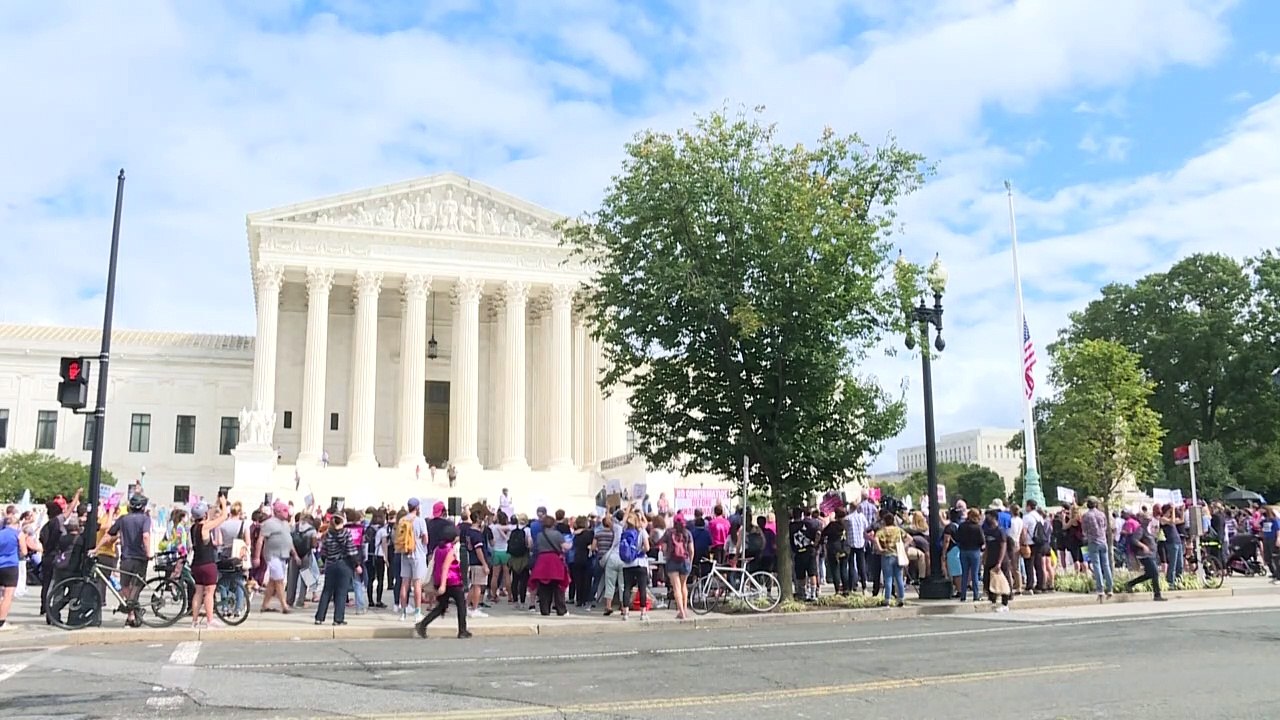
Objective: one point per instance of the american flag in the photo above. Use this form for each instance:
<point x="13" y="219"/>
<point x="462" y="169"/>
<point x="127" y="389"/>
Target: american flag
<point x="1028" y="360"/>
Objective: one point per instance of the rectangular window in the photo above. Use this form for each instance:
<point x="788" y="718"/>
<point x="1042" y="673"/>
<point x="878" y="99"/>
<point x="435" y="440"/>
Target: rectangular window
<point x="333" y="421"/>
<point x="631" y="441"/>
<point x="89" y="425"/>
<point x="288" y="419"/>
<point x="4" y="427"/>
<point x="46" y="429"/>
<point x="181" y="493"/>
<point x="184" y="441"/>
<point x="140" y="433"/>
<point x="228" y="435"/>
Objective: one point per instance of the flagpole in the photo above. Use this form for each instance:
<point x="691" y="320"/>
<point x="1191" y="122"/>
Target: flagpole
<point x="1031" y="489"/>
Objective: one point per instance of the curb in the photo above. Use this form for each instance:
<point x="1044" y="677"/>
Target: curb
<point x="913" y="609"/>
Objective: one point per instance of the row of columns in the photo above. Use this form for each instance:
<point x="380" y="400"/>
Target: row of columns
<point x="464" y="371"/>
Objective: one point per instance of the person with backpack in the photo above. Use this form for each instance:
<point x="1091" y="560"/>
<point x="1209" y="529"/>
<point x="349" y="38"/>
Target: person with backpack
<point x="633" y="551"/>
<point x="518" y="561"/>
<point x="677" y="548"/>
<point x="375" y="569"/>
<point x="836" y="546"/>
<point x="305" y="573"/>
<point x="1039" y="530"/>
<point x="411" y="543"/>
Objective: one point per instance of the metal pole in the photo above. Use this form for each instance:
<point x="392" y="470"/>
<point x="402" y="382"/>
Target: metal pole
<point x="935" y="586"/>
<point x="104" y="360"/>
<point x="1193" y="454"/>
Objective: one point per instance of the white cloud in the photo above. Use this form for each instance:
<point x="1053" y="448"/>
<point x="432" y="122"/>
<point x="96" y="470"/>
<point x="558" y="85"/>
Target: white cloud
<point x="217" y="112"/>
<point x="1114" y="148"/>
<point x="1271" y="60"/>
<point x="1114" y="106"/>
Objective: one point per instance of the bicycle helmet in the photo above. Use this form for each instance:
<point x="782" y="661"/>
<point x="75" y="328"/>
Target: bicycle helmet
<point x="137" y="503"/>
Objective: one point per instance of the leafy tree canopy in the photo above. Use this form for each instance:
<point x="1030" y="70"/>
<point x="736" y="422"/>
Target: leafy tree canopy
<point x="1207" y="333"/>
<point x="45" y="475"/>
<point x="1103" y="430"/>
<point x="739" y="283"/>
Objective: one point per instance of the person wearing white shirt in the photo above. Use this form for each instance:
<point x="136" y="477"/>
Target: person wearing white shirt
<point x="505" y="504"/>
<point x="1016" y="525"/>
<point x="1036" y="577"/>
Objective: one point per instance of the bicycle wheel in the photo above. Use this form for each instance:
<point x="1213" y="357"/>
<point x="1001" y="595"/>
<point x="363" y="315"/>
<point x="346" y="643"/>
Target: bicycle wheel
<point x="161" y="602"/>
<point x="230" y="609"/>
<point x="763" y="593"/>
<point x="1213" y="572"/>
<point x="700" y="599"/>
<point x="74" y="603"/>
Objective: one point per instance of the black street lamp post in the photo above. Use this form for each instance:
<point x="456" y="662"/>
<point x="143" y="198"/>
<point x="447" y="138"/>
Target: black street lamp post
<point x="936" y="586"/>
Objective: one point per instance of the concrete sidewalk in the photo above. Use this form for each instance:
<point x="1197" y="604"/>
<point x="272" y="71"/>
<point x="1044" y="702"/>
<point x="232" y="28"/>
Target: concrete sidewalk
<point x="30" y="630"/>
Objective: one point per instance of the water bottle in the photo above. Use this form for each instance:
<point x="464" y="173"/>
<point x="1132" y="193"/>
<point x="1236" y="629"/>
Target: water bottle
<point x="115" y="583"/>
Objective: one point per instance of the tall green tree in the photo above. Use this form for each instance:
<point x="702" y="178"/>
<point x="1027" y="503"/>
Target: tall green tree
<point x="1104" y="429"/>
<point x="739" y="285"/>
<point x="45" y="475"/>
<point x="1208" y="334"/>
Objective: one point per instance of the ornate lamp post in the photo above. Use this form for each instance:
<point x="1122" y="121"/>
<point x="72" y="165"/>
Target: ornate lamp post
<point x="936" y="586"/>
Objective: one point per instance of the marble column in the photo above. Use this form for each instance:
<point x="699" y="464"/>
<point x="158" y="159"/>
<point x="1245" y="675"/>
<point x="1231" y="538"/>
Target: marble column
<point x="414" y="290"/>
<point x="515" y="296"/>
<point x="560" y="372"/>
<point x="496" y="359"/>
<point x="464" y="391"/>
<point x="364" y="368"/>
<point x="590" y="401"/>
<point x="315" y="366"/>
<point x="579" y="385"/>
<point x="268" y="279"/>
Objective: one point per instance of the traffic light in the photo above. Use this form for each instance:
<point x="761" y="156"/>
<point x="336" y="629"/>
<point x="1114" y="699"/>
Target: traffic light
<point x="73" y="391"/>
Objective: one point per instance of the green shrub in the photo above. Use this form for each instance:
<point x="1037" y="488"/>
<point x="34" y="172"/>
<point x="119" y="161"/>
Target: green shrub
<point x="849" y="602"/>
<point x="1083" y="582"/>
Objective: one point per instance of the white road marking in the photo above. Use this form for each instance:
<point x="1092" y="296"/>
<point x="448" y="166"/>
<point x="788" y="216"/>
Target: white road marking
<point x="186" y="653"/>
<point x="1002" y="628"/>
<point x="9" y="670"/>
<point x="176" y="675"/>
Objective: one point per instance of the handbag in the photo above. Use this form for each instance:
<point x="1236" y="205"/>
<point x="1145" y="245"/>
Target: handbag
<point x="902" y="553"/>
<point x="999" y="584"/>
<point x="429" y="582"/>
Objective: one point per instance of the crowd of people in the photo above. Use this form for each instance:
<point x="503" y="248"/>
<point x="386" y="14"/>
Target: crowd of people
<point x="615" y="560"/>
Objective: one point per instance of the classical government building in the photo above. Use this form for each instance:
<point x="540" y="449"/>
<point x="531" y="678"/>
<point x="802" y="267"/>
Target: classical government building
<point x="401" y="331"/>
<point x="987" y="447"/>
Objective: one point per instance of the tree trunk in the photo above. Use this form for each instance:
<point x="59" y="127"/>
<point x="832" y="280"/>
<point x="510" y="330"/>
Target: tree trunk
<point x="782" y="516"/>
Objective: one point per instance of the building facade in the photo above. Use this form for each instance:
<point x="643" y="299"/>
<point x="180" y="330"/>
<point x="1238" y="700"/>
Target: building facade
<point x="173" y="404"/>
<point x="400" y="330"/>
<point x="987" y="447"/>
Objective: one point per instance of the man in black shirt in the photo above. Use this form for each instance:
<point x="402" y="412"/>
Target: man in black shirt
<point x="804" y="553"/>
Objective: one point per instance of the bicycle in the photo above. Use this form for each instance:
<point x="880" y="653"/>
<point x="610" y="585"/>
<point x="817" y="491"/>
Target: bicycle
<point x="81" y="597"/>
<point x="230" y="597"/>
<point x="759" y="590"/>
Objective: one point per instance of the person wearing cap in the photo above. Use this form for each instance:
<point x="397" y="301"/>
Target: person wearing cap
<point x="133" y="533"/>
<point x="204" y="559"/>
<point x="275" y="549"/>
<point x="413" y="565"/>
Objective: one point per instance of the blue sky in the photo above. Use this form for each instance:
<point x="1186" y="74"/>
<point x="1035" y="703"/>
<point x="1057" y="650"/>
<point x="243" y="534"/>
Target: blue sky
<point x="1135" y="133"/>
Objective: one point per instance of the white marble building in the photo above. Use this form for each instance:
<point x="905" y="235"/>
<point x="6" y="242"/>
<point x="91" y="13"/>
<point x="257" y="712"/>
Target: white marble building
<point x="987" y="447"/>
<point x="173" y="401"/>
<point x="341" y="396"/>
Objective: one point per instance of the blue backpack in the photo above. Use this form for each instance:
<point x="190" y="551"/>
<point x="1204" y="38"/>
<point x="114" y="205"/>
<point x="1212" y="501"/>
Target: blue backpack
<point x="629" y="546"/>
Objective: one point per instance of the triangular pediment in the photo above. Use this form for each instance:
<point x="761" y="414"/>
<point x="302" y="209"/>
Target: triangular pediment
<point x="440" y="204"/>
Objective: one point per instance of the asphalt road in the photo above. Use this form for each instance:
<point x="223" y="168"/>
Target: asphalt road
<point x="1192" y="663"/>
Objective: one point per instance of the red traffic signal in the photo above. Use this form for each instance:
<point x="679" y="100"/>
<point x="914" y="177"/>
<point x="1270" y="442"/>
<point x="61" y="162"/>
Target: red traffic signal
<point x="73" y="391"/>
<point x="75" y="370"/>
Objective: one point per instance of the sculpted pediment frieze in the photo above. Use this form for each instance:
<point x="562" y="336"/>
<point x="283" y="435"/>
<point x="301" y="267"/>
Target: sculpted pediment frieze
<point x="445" y="209"/>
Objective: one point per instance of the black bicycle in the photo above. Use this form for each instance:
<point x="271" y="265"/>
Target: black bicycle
<point x="76" y="602"/>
